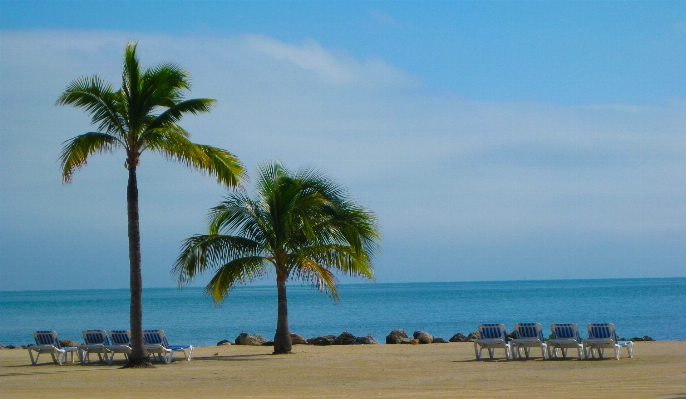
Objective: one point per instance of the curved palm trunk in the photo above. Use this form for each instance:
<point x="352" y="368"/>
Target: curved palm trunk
<point x="282" y="338"/>
<point x="139" y="356"/>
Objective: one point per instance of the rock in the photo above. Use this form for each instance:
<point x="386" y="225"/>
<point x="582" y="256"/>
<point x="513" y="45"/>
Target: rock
<point x="68" y="342"/>
<point x="268" y="343"/>
<point x="644" y="338"/>
<point x="512" y="335"/>
<point x="459" y="337"/>
<point x="10" y="347"/>
<point x="423" y="337"/>
<point x="473" y="335"/>
<point x="368" y="340"/>
<point x="224" y="342"/>
<point x="250" y="339"/>
<point x="439" y="341"/>
<point x="298" y="339"/>
<point x="414" y="342"/>
<point x="397" y="337"/>
<point x="322" y="341"/>
<point x="344" y="339"/>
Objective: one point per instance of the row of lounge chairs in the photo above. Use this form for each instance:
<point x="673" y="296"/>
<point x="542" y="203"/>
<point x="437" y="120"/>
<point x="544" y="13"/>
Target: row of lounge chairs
<point x="601" y="336"/>
<point x="105" y="345"/>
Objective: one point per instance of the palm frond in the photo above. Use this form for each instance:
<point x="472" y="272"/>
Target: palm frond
<point x="172" y="144"/>
<point x="202" y="252"/>
<point x="75" y="151"/>
<point x="98" y="99"/>
<point x="176" y="111"/>
<point x="238" y="271"/>
<point x="320" y="277"/>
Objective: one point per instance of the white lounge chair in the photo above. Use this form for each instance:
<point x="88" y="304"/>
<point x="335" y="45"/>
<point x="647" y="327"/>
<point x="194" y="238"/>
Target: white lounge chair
<point x="157" y="345"/>
<point x="120" y="343"/>
<point x="47" y="342"/>
<point x="493" y="336"/>
<point x="565" y="336"/>
<point x="602" y="336"/>
<point x="527" y="336"/>
<point x="94" y="341"/>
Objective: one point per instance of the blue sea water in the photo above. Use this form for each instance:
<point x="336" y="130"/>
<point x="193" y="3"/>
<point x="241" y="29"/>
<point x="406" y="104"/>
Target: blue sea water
<point x="637" y="307"/>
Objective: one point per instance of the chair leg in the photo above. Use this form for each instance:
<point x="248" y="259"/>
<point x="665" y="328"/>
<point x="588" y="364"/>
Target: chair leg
<point x="33" y="362"/>
<point x="477" y="351"/>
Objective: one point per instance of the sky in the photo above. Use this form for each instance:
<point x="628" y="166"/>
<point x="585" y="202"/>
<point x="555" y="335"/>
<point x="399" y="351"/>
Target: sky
<point x="493" y="140"/>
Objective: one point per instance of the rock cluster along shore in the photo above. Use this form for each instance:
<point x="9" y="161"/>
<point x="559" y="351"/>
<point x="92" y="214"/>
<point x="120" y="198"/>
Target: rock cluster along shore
<point x="397" y="336"/>
<point x="345" y="338"/>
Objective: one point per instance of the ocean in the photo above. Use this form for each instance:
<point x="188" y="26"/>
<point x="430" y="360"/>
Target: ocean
<point x="637" y="307"/>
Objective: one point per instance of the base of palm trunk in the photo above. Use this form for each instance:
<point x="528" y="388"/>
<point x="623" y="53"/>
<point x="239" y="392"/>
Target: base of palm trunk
<point x="281" y="352"/>
<point x="142" y="363"/>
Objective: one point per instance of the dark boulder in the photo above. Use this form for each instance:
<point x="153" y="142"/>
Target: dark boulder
<point x="368" y="340"/>
<point x="345" y="339"/>
<point x="298" y="339"/>
<point x="322" y="341"/>
<point x="423" y="337"/>
<point x="10" y="347"/>
<point x="250" y="339"/>
<point x="268" y="343"/>
<point x="459" y="337"/>
<point x="68" y="343"/>
<point x="397" y="337"/>
<point x="224" y="342"/>
<point x="473" y="335"/>
<point x="439" y="341"/>
<point x="643" y="338"/>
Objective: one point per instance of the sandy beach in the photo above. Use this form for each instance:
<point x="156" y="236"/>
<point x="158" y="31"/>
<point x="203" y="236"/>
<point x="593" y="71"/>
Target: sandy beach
<point x="658" y="370"/>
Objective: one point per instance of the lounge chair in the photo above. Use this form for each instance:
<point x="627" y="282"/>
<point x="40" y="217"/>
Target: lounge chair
<point x="120" y="343"/>
<point x="156" y="344"/>
<point x="527" y="336"/>
<point x="94" y="341"/>
<point x="493" y="336"/>
<point x="47" y="342"/>
<point x="565" y="336"/>
<point x="602" y="336"/>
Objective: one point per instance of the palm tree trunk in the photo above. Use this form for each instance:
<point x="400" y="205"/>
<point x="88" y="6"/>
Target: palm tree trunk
<point x="139" y="356"/>
<point x="282" y="338"/>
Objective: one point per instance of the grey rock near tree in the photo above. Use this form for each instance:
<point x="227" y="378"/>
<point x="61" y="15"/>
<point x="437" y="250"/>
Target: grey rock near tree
<point x="423" y="337"/>
<point x="459" y="337"/>
<point x="298" y="340"/>
<point x="397" y="337"/>
<point x="368" y="340"/>
<point x="345" y="339"/>
<point x="224" y="342"/>
<point x="322" y="341"/>
<point x="250" y="339"/>
<point x="473" y="335"/>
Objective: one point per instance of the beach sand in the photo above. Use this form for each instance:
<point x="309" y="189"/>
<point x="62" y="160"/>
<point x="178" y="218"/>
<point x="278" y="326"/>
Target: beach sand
<point x="658" y="370"/>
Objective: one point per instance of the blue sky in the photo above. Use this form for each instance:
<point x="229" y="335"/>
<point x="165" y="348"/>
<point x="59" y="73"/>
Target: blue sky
<point x="495" y="140"/>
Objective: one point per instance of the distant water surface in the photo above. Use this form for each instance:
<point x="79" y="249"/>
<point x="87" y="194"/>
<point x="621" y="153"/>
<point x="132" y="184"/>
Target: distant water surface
<point x="637" y="307"/>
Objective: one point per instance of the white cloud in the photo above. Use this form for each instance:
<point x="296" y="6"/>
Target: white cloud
<point x="432" y="166"/>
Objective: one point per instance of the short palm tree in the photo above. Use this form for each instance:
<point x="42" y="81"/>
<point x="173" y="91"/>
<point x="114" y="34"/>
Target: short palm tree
<point x="302" y="224"/>
<point x="142" y="115"/>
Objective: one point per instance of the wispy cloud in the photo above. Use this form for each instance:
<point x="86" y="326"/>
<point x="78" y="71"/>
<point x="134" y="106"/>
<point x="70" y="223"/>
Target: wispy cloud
<point x="448" y="169"/>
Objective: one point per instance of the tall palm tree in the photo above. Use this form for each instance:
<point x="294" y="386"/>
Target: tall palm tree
<point x="302" y="224"/>
<point x="142" y="115"/>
